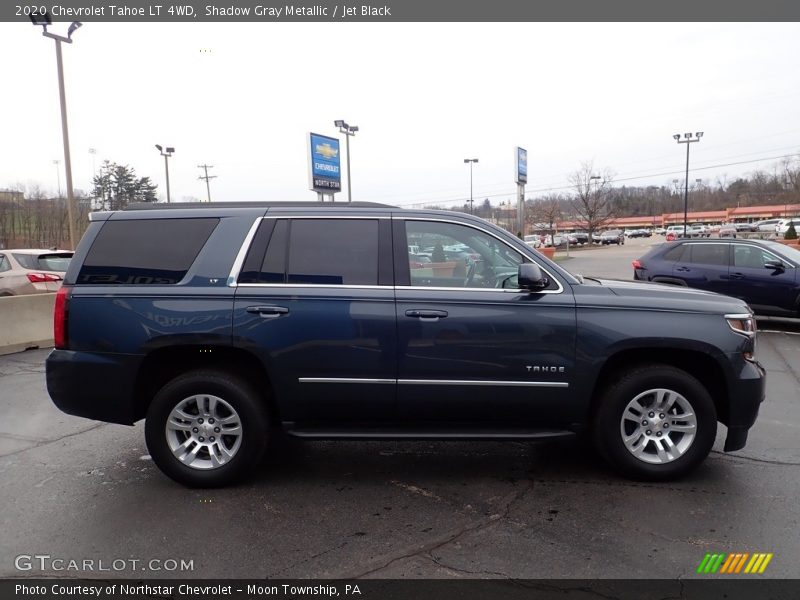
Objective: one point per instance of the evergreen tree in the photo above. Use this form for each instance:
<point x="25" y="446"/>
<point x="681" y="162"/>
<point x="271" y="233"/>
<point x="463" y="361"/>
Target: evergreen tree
<point x="116" y="186"/>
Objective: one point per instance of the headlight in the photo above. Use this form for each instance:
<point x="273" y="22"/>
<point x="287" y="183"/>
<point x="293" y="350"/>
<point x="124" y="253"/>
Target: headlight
<point x="744" y="324"/>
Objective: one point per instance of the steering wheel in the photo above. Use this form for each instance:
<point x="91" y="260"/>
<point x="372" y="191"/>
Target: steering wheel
<point x="489" y="279"/>
<point x="471" y="269"/>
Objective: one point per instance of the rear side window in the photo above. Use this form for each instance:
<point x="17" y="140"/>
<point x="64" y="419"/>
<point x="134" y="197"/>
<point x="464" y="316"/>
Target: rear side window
<point x="147" y="251"/>
<point x="710" y="254"/>
<point x="332" y="252"/>
<point x="4" y="264"/>
<point x="674" y="254"/>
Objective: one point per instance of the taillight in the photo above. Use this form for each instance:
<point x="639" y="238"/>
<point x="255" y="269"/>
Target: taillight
<point x="637" y="264"/>
<point x="42" y="277"/>
<point x="60" y="315"/>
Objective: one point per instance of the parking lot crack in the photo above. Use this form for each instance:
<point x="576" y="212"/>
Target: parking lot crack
<point x="40" y="444"/>
<point x="439" y="562"/>
<point x="738" y="457"/>
<point x="426" y="549"/>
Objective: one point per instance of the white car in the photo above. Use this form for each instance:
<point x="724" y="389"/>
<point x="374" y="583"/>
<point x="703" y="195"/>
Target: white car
<point x="783" y="226"/>
<point x="534" y="241"/>
<point x="768" y="225"/>
<point x="702" y="230"/>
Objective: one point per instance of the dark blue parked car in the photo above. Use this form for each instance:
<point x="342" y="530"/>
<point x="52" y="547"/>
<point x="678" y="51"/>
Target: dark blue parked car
<point x="762" y="273"/>
<point x="220" y="323"/>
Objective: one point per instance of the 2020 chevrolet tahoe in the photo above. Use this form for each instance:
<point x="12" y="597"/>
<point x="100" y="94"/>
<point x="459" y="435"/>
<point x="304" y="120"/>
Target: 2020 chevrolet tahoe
<point x="219" y="323"/>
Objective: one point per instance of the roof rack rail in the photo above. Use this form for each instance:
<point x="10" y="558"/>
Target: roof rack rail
<point x="257" y="204"/>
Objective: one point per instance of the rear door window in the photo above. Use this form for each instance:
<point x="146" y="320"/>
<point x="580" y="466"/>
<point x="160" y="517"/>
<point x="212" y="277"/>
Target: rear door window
<point x="674" y="254"/>
<point x="709" y="254"/>
<point x="332" y="252"/>
<point x="146" y="251"/>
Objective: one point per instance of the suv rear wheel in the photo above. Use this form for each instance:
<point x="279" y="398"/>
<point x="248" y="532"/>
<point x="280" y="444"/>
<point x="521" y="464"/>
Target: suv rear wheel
<point x="206" y="429"/>
<point x="655" y="423"/>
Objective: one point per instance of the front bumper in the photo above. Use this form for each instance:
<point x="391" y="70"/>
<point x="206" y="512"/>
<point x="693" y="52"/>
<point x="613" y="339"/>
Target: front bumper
<point x="747" y="393"/>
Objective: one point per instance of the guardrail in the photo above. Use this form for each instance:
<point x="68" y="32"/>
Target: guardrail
<point x="26" y="322"/>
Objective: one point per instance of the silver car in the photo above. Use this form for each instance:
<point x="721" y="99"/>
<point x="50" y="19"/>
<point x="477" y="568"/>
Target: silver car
<point x="27" y="271"/>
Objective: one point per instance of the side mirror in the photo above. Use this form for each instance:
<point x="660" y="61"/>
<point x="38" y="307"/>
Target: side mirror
<point x="774" y="264"/>
<point x="531" y="278"/>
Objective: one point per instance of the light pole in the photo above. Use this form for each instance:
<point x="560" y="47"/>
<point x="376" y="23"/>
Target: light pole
<point x="166" y="153"/>
<point x="58" y="176"/>
<point x="349" y="131"/>
<point x="93" y="152"/>
<point x="471" y="162"/>
<point x="688" y="140"/>
<point x="44" y="21"/>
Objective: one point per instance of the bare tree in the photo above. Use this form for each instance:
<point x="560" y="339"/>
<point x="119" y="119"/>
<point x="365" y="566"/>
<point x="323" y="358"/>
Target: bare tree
<point x="592" y="199"/>
<point x="547" y="210"/>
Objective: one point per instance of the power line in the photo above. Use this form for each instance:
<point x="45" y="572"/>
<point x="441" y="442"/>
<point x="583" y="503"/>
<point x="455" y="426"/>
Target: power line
<point x="207" y="177"/>
<point x="633" y="178"/>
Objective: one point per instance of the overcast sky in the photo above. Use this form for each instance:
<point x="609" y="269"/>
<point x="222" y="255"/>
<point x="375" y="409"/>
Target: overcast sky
<point x="242" y="97"/>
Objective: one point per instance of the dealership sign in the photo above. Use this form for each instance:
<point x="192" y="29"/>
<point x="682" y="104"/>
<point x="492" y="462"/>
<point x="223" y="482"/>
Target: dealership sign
<point x="325" y="173"/>
<point x="521" y="172"/>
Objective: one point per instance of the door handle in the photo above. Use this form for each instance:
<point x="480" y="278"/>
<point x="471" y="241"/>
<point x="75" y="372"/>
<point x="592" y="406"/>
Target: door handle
<point x="268" y="312"/>
<point x="426" y="315"/>
<point x="736" y="275"/>
<point x="683" y="269"/>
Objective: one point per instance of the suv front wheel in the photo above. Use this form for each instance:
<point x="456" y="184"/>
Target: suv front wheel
<point x="655" y="423"/>
<point x="206" y="429"/>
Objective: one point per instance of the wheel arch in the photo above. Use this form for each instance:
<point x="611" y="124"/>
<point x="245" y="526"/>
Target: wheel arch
<point x="163" y="364"/>
<point x="700" y="365"/>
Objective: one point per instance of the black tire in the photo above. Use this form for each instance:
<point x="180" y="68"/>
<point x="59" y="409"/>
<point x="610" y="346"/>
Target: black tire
<point x="249" y="406"/>
<point x="608" y="418"/>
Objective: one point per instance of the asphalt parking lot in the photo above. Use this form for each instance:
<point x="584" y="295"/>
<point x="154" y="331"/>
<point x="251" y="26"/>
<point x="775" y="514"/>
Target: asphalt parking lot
<point x="79" y="490"/>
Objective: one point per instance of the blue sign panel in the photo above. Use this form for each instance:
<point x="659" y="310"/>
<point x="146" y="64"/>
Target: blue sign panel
<point x="522" y="166"/>
<point x="325" y="166"/>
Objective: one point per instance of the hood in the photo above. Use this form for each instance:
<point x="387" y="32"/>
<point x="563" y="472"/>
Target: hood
<point x="656" y="296"/>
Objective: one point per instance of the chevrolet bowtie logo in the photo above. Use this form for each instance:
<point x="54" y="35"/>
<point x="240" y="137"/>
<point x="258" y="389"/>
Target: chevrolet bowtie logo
<point x="326" y="150"/>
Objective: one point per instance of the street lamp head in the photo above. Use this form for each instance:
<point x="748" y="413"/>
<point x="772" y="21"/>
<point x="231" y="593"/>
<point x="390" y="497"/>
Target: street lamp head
<point x="339" y="123"/>
<point x="699" y="134"/>
<point x="72" y="28"/>
<point x="687" y="135"/>
<point x="677" y="136"/>
<point x="170" y="150"/>
<point x="354" y="128"/>
<point x="158" y="146"/>
<point x="42" y="19"/>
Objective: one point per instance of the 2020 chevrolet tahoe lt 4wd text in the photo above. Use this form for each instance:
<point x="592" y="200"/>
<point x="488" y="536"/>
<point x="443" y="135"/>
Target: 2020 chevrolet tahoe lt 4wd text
<point x="219" y="322"/>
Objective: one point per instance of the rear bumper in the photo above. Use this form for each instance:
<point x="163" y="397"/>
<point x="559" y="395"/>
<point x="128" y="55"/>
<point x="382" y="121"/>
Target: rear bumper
<point x="746" y="395"/>
<point x="91" y="385"/>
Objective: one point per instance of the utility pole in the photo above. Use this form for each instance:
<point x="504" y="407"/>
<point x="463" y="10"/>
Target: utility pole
<point x="207" y="177"/>
<point x="688" y="140"/>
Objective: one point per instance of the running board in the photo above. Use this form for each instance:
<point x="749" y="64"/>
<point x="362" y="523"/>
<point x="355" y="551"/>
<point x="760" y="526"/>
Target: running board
<point x="426" y="434"/>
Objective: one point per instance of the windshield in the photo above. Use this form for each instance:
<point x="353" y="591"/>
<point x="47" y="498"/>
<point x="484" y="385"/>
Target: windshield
<point x="785" y="251"/>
